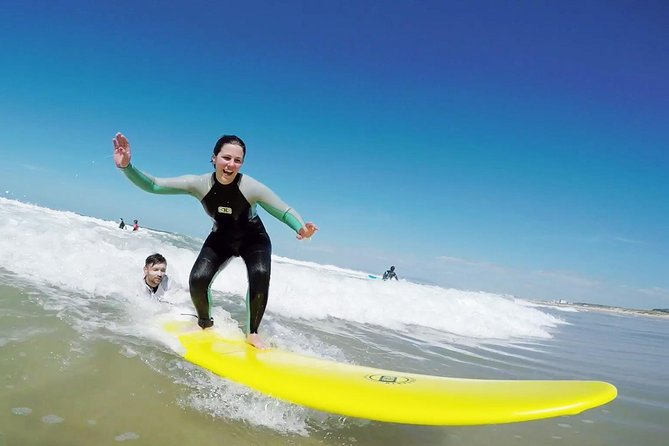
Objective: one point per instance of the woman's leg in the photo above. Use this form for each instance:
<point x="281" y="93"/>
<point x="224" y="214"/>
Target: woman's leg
<point x="258" y="259"/>
<point x="206" y="266"/>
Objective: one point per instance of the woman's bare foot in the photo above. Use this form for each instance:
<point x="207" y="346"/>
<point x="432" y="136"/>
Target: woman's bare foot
<point x="255" y="341"/>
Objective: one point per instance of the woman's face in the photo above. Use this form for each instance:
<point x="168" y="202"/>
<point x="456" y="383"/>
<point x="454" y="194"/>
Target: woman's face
<point x="228" y="162"/>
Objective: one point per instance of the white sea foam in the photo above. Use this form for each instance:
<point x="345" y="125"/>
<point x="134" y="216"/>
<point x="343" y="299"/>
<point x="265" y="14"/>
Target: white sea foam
<point x="99" y="262"/>
<point x="52" y="419"/>
<point x="88" y="272"/>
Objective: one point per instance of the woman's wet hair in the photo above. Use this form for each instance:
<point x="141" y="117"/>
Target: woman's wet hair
<point x="229" y="139"/>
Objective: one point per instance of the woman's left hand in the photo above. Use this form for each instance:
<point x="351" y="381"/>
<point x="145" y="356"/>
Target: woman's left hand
<point x="306" y="231"/>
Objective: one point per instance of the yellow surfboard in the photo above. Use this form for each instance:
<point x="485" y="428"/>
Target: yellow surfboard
<point x="385" y="395"/>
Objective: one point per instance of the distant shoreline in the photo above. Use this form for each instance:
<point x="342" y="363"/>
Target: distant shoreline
<point x="657" y="312"/>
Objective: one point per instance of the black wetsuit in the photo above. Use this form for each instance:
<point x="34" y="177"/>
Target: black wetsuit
<point x="237" y="231"/>
<point x="234" y="234"/>
<point x="390" y="274"/>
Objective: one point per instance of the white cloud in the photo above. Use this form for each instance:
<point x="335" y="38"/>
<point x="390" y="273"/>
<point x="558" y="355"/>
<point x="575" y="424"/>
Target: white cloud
<point x="569" y="277"/>
<point x="662" y="293"/>
<point x="470" y="263"/>
<point x="36" y="168"/>
<point x="618" y="239"/>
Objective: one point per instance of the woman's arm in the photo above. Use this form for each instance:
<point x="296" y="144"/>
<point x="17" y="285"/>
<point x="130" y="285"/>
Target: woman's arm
<point x="256" y="192"/>
<point x="196" y="185"/>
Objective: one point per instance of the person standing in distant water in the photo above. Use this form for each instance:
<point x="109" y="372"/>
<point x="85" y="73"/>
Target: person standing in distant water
<point x="230" y="198"/>
<point x="390" y="274"/>
<point x="156" y="282"/>
<point x="121" y="225"/>
<point x="135" y="226"/>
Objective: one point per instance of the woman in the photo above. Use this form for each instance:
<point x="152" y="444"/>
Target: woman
<point x="230" y="199"/>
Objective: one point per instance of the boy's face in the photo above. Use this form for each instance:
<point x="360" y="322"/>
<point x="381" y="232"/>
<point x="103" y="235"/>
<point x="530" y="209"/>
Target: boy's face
<point x="153" y="274"/>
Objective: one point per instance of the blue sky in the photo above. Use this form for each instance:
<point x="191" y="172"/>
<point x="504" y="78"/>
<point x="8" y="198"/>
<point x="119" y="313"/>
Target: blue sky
<point x="511" y="147"/>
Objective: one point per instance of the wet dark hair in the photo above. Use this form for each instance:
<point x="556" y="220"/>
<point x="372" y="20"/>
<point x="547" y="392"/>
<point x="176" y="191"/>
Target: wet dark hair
<point x="229" y="139"/>
<point x="155" y="258"/>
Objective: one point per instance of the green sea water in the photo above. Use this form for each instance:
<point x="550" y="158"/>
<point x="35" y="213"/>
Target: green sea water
<point x="81" y="365"/>
<point x="58" y="387"/>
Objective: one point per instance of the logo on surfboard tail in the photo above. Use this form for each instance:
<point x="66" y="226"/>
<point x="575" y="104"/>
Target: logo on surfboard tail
<point x="390" y="379"/>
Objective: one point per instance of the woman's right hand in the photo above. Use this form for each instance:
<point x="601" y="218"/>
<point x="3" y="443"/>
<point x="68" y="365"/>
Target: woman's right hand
<point x="121" y="151"/>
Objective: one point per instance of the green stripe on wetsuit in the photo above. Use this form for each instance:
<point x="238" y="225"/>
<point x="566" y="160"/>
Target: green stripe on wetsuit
<point x="148" y="184"/>
<point x="285" y="216"/>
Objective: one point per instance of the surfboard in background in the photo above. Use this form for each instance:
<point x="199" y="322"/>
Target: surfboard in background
<point x="384" y="395"/>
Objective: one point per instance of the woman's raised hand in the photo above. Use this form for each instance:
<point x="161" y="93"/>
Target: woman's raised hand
<point x="121" y="151"/>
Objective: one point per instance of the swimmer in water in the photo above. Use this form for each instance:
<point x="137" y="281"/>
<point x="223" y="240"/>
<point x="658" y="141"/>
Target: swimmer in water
<point x="156" y="282"/>
<point x="390" y="274"/>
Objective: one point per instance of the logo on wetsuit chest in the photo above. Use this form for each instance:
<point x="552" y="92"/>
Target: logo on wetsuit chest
<point x="224" y="210"/>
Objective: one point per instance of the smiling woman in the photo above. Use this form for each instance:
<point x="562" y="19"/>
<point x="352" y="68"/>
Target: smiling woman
<point x="228" y="157"/>
<point x="230" y="199"/>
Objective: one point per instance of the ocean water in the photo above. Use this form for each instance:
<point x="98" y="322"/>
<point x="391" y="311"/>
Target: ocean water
<point x="82" y="361"/>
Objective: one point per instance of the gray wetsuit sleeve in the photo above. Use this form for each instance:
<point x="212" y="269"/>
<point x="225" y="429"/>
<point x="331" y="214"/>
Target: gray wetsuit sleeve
<point x="195" y="185"/>
<point x="257" y="193"/>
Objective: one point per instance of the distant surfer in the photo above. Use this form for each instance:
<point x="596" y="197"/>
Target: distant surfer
<point x="390" y="274"/>
<point x="121" y="225"/>
<point x="156" y="282"/>
<point x="135" y="226"/>
<point x="230" y="199"/>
